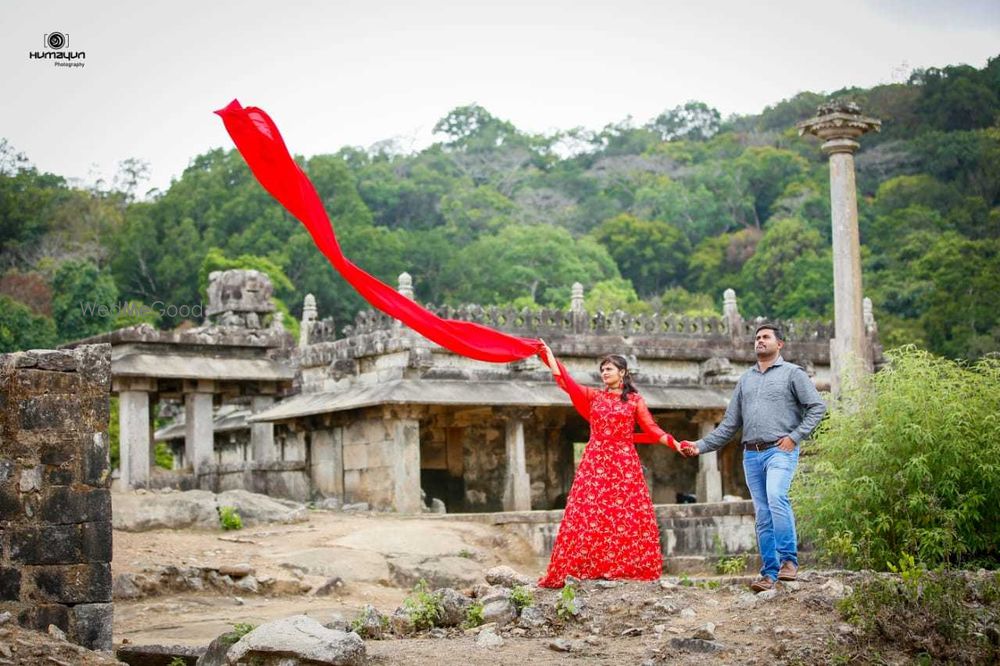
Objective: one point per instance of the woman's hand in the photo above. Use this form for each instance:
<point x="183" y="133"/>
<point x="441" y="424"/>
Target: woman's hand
<point x="549" y="358"/>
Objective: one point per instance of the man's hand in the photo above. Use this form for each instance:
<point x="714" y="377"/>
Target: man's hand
<point x="786" y="444"/>
<point x="689" y="449"/>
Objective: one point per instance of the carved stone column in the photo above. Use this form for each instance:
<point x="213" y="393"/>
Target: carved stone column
<point x="517" y="484"/>
<point x="262" y="433"/>
<point x="838" y="125"/>
<point x="199" y="431"/>
<point x="135" y="443"/>
<point x="709" y="483"/>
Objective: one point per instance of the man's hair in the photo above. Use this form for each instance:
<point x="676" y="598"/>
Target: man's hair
<point x="774" y="327"/>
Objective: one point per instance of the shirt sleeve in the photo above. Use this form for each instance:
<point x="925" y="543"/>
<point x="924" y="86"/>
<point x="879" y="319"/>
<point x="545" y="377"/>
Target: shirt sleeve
<point x="732" y="422"/>
<point x="809" y="399"/>
<point x="647" y="424"/>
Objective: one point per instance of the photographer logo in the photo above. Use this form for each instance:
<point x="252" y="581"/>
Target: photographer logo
<point x="55" y="47"/>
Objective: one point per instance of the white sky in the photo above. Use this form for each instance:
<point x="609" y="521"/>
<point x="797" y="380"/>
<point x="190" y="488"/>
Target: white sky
<point x="349" y="72"/>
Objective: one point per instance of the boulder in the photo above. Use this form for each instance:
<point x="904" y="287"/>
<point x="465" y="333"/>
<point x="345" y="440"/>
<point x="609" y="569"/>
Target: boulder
<point x="506" y="577"/>
<point x="299" y="637"/>
<point x="454" y="606"/>
<point x="408" y="570"/>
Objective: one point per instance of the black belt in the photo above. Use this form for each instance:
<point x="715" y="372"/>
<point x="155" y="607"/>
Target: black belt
<point x="758" y="445"/>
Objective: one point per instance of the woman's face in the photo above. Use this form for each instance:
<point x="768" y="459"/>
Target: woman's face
<point x="611" y="375"/>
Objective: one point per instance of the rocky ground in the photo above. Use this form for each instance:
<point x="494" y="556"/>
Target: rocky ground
<point x="187" y="586"/>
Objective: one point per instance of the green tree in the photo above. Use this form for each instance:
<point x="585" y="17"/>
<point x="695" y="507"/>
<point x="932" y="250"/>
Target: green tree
<point x="615" y="294"/>
<point x="83" y="301"/>
<point x="694" y="121"/>
<point x="652" y="254"/>
<point x="21" y="329"/>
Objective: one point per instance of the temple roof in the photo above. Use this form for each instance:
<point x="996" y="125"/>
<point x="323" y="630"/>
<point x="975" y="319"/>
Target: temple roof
<point x="462" y="392"/>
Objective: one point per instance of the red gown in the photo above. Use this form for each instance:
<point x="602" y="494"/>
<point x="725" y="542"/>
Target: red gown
<point x="609" y="528"/>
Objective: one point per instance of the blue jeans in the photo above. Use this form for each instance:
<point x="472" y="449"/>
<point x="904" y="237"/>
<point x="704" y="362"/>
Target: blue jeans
<point x="769" y="475"/>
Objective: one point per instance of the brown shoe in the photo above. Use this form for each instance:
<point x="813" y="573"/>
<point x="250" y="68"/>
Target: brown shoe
<point x="762" y="584"/>
<point x="788" y="570"/>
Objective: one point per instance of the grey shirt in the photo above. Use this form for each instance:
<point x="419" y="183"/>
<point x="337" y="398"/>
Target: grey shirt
<point x="769" y="405"/>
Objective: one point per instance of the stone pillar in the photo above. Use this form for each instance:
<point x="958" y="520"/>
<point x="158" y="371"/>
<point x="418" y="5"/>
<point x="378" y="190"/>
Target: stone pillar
<point x="134" y="441"/>
<point x="199" y="432"/>
<point x="309" y="315"/>
<point x="405" y="464"/>
<point x="838" y="125"/>
<point x="55" y="502"/>
<point x="709" y="483"/>
<point x="405" y="285"/>
<point x="579" y="313"/>
<point x="517" y="483"/>
<point x="262" y="433"/>
<point x="731" y="313"/>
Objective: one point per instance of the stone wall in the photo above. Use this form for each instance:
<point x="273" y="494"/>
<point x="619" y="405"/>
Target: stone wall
<point x="55" y="502"/>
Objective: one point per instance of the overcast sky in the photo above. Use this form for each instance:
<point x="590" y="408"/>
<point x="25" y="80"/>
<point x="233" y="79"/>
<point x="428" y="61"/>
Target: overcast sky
<point x="347" y="72"/>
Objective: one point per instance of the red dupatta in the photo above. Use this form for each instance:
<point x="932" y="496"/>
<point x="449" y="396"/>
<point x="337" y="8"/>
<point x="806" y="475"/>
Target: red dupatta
<point x="259" y="142"/>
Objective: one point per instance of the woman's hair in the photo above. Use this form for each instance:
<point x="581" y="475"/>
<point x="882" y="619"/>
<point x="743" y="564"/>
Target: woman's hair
<point x="620" y="363"/>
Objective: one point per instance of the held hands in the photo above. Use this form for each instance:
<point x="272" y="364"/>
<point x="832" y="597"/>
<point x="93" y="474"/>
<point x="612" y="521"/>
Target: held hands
<point x="688" y="449"/>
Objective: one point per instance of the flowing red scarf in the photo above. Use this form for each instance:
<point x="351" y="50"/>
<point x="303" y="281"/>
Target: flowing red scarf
<point x="260" y="143"/>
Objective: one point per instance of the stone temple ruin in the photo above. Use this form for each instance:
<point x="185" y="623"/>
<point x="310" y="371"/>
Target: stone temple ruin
<point x="376" y="413"/>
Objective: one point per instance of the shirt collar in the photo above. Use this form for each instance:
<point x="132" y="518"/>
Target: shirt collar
<point x="778" y="361"/>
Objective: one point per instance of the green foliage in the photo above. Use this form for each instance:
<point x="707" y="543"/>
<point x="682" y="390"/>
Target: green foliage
<point x="474" y="615"/>
<point x="652" y="254"/>
<point x="685" y="580"/>
<point x="731" y="566"/>
<point x="177" y="661"/>
<point x="566" y="607"/>
<point x="229" y="518"/>
<point x="521" y="597"/>
<point x="241" y="629"/>
<point x="909" y="466"/>
<point x="938" y="616"/>
<point x="22" y="329"/>
<point x="607" y="296"/>
<point x="83" y="300"/>
<point x="164" y="457"/>
<point x="424" y="608"/>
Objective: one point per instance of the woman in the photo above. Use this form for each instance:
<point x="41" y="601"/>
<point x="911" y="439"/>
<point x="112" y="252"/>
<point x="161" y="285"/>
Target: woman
<point x="609" y="528"/>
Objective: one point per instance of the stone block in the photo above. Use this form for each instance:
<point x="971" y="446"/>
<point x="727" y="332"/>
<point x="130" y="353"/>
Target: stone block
<point x="10" y="503"/>
<point x="60" y="475"/>
<point x="59" y="450"/>
<point x="55" y="359"/>
<point x="51" y="544"/>
<point x="91" y="625"/>
<point x="97" y="541"/>
<point x="39" y="617"/>
<point x="10" y="584"/>
<point x="93" y="363"/>
<point x="355" y="456"/>
<point x="96" y="460"/>
<point x="75" y="504"/>
<point x="54" y="411"/>
<point x="74" y="584"/>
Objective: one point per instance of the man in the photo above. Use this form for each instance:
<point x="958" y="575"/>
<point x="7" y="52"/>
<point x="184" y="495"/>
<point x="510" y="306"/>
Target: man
<point x="777" y="406"/>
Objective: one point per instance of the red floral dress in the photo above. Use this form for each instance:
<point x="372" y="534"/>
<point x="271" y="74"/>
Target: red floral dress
<point x="608" y="529"/>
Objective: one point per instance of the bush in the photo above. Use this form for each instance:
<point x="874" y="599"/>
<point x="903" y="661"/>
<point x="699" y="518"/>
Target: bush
<point x="947" y="616"/>
<point x="521" y="597"/>
<point x="913" y="466"/>
<point x="229" y="519"/>
<point x="566" y="605"/>
<point x="732" y="566"/>
<point x="474" y="615"/>
<point x="424" y="607"/>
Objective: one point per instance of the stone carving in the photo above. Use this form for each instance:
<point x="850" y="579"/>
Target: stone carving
<point x="239" y="297"/>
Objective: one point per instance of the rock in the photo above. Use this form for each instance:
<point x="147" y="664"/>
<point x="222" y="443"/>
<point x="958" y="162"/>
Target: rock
<point x="447" y="571"/>
<point x="301" y="637"/>
<point x="506" y="577"/>
<point x="666" y="607"/>
<point x="329" y="504"/>
<point x="790" y="585"/>
<point x="593" y="640"/>
<point x="192" y="508"/>
<point x="833" y="588"/>
<point x="56" y="632"/>
<point x="532" y="617"/>
<point x="248" y="583"/>
<point x="499" y="609"/>
<point x="331" y="586"/>
<point x="687" y="613"/>
<point x="488" y="640"/>
<point x="356" y="507"/>
<point x="454" y="606"/>
<point x="401" y="623"/>
<point x="348" y="564"/>
<point x="706" y="632"/>
<point x="337" y="621"/>
<point x="437" y="506"/>
<point x="257" y="509"/>
<point x="607" y="584"/>
<point x="560" y="645"/>
<point x="695" y="645"/>
<point x="239" y="601"/>
<point x="124" y="586"/>
<point x="148" y="655"/>
<point x="4" y="618"/>
<point x="632" y="631"/>
<point x="437" y="632"/>
<point x="767" y="595"/>
<point x="236" y="570"/>
<point x="372" y="623"/>
<point x="845" y="629"/>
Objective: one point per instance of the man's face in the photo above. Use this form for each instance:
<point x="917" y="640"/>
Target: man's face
<point x="766" y="345"/>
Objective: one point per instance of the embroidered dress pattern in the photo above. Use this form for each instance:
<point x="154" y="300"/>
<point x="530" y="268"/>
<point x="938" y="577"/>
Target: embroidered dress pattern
<point x="609" y="528"/>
